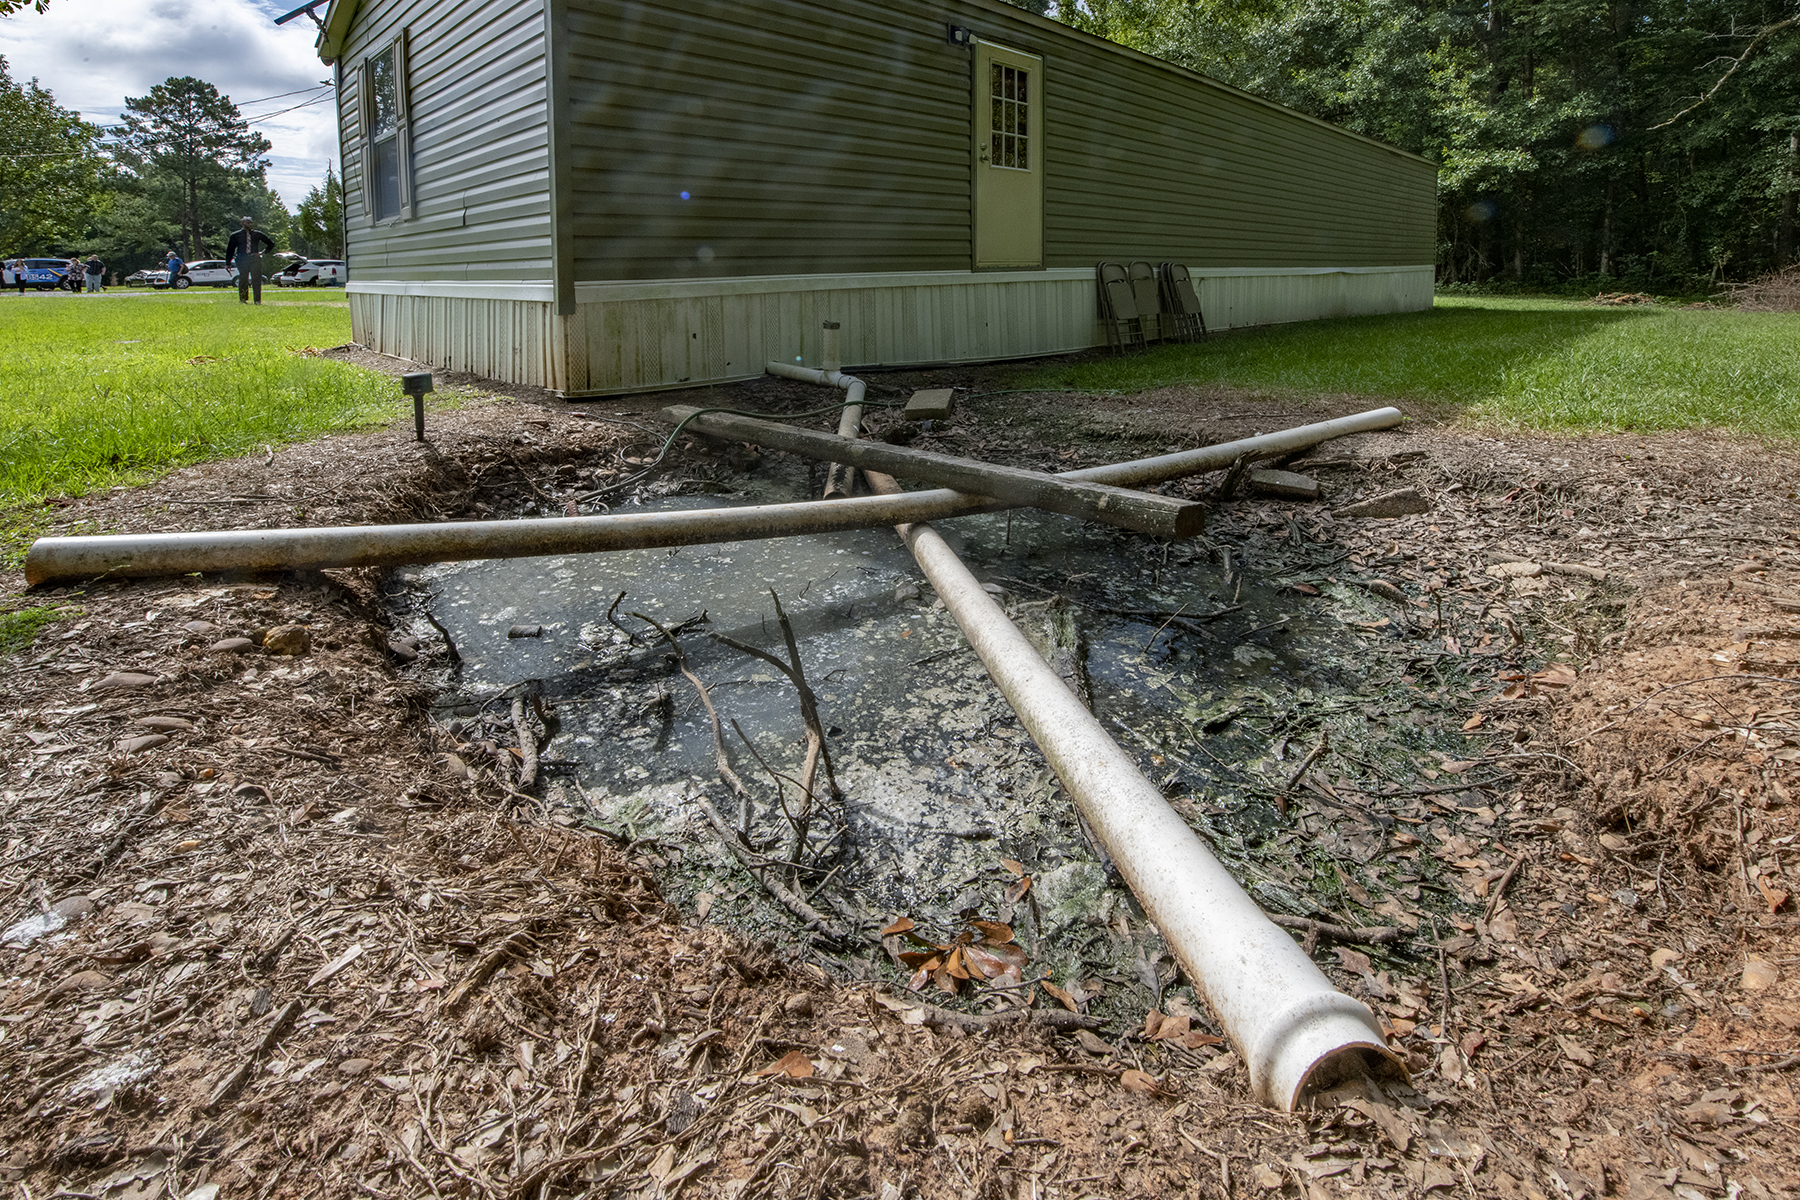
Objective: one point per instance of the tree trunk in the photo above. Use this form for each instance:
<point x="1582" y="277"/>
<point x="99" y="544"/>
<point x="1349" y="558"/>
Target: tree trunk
<point x="1606" y="255"/>
<point x="1785" y="247"/>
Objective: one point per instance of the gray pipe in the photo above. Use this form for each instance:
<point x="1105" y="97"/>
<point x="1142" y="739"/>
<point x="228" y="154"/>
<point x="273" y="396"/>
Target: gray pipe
<point x="63" y="559"/>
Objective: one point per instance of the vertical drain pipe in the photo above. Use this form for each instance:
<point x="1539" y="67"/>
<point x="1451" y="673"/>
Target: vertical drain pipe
<point x="840" y="480"/>
<point x="1295" y="1031"/>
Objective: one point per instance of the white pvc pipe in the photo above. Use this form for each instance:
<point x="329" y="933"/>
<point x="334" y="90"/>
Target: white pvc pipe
<point x="1294" y="1030"/>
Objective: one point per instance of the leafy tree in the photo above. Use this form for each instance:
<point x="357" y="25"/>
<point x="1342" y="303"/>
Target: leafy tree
<point x="51" y="169"/>
<point x="319" y="221"/>
<point x="193" y="155"/>
<point x="1653" y="141"/>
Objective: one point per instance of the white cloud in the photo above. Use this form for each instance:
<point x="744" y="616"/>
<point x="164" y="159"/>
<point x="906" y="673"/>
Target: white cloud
<point x="94" y="53"/>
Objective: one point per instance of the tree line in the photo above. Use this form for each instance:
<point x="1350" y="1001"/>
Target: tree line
<point x="1646" y="142"/>
<point x="176" y="173"/>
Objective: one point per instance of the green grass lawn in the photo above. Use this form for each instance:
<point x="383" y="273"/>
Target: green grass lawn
<point x="98" y="390"/>
<point x="1544" y="364"/>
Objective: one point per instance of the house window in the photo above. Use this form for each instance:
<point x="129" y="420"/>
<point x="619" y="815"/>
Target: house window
<point x="386" y="143"/>
<point x="1009" y="93"/>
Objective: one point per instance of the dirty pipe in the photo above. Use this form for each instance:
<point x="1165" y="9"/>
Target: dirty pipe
<point x="118" y="556"/>
<point x="840" y="481"/>
<point x="1295" y="1031"/>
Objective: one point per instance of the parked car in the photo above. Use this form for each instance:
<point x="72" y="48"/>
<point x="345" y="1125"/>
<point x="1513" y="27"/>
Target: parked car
<point x="315" y="272"/>
<point x="276" y="262"/>
<point x="208" y="272"/>
<point x="147" y="278"/>
<point x="40" y="273"/>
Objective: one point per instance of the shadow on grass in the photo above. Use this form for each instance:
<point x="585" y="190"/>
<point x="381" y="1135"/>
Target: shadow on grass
<point x="1526" y="363"/>
<point x="1459" y="354"/>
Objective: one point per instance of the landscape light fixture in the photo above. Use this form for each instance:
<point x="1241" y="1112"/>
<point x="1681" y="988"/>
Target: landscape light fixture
<point x="416" y="384"/>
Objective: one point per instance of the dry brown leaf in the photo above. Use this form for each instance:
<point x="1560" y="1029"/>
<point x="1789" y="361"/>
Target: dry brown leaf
<point x="1152" y="1023"/>
<point x="902" y="925"/>
<point x="1474" y="722"/>
<point x="1141" y="1084"/>
<point x="1017" y="891"/>
<point x="1063" y="998"/>
<point x="994" y="932"/>
<point x="794" y="1064"/>
<point x="1013" y="865"/>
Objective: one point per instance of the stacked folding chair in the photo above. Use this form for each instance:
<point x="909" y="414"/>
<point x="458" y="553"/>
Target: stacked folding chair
<point x="1149" y="300"/>
<point x="1118" y="306"/>
<point x="1182" y="317"/>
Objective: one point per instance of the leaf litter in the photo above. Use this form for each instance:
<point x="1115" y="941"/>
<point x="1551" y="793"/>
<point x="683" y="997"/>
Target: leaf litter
<point x="1608" y="864"/>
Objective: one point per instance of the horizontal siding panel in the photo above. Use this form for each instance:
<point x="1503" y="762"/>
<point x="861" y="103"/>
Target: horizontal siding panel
<point x="478" y="133"/>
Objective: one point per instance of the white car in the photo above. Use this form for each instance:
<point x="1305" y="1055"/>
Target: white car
<point x="208" y="272"/>
<point x="315" y="272"/>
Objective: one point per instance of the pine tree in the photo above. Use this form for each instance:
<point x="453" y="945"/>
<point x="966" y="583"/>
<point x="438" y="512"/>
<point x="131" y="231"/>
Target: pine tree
<point x="190" y="137"/>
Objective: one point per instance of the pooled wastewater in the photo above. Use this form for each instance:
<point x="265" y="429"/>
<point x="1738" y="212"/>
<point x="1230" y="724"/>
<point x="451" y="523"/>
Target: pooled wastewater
<point x="940" y="783"/>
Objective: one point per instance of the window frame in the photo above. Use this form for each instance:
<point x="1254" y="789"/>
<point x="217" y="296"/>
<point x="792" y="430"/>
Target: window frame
<point x="396" y="51"/>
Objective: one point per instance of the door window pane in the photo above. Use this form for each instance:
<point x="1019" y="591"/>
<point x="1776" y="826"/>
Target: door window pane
<point x="1009" y="92"/>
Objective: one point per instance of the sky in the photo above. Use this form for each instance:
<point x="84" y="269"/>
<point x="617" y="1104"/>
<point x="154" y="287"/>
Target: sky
<point x="93" y="53"/>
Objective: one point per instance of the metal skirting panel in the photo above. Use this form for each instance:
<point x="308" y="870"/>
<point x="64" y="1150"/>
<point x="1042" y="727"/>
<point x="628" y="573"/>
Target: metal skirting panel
<point x="512" y="340"/>
<point x="642" y="336"/>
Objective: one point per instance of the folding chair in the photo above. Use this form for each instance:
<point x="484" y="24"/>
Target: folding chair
<point x="1118" y="306"/>
<point x="1149" y="303"/>
<point x="1181" y="303"/>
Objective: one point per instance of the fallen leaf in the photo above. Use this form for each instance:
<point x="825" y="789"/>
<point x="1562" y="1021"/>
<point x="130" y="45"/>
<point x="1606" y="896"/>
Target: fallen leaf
<point x="1017" y="891"/>
<point x="1092" y="1043"/>
<point x="1773" y="896"/>
<point x="1474" y="722"/>
<point x="1063" y="998"/>
<point x="1141" y="1084"/>
<point x="1013" y="865"/>
<point x="1759" y="975"/>
<point x="794" y="1064"/>
<point x="1575" y="1052"/>
<point x="899" y="926"/>
<point x="994" y="931"/>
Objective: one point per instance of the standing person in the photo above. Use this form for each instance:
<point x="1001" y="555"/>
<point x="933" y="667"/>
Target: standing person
<point x="96" y="274"/>
<point x="18" y="270"/>
<point x="243" y="252"/>
<point x="175" y="265"/>
<point x="72" y="275"/>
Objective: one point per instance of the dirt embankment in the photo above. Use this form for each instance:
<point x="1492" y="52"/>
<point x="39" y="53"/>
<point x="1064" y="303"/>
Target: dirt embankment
<point x="264" y="935"/>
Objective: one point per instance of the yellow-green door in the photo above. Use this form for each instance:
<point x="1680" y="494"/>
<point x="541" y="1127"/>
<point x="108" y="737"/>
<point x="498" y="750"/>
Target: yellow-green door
<point x="1009" y="158"/>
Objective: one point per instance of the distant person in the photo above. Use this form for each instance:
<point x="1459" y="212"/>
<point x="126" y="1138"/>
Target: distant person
<point x="175" y="265"/>
<point x="96" y="274"/>
<point x="72" y="275"/>
<point x="18" y="270"/>
<point x="244" y="253"/>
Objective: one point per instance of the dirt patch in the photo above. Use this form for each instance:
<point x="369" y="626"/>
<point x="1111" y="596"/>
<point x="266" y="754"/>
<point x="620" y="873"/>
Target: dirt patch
<point x="300" y="947"/>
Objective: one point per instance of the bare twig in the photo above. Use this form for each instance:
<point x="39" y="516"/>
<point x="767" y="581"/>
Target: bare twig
<point x="1493" y="904"/>
<point x="528" y="747"/>
<point x="1372" y="935"/>
<point x="720" y="758"/>
<point x="813" y="918"/>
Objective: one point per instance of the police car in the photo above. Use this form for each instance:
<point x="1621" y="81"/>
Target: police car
<point x="40" y="273"/>
<point x="208" y="272"/>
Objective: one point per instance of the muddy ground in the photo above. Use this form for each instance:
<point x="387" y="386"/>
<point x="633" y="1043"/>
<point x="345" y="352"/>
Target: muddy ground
<point x="270" y="930"/>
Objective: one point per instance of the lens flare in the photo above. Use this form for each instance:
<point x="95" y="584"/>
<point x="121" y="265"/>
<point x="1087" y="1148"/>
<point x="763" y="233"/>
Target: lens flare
<point x="1481" y="210"/>
<point x="1594" y="137"/>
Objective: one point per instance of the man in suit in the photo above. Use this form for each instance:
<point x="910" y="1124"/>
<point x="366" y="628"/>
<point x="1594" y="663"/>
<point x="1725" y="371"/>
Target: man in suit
<point x="244" y="252"/>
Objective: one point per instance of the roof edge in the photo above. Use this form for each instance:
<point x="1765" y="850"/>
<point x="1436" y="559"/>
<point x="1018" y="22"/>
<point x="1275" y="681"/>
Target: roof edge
<point x="335" y="29"/>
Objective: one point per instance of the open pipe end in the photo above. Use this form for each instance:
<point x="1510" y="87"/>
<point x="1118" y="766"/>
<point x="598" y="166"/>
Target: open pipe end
<point x="1314" y="1043"/>
<point x="1348" y="1065"/>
